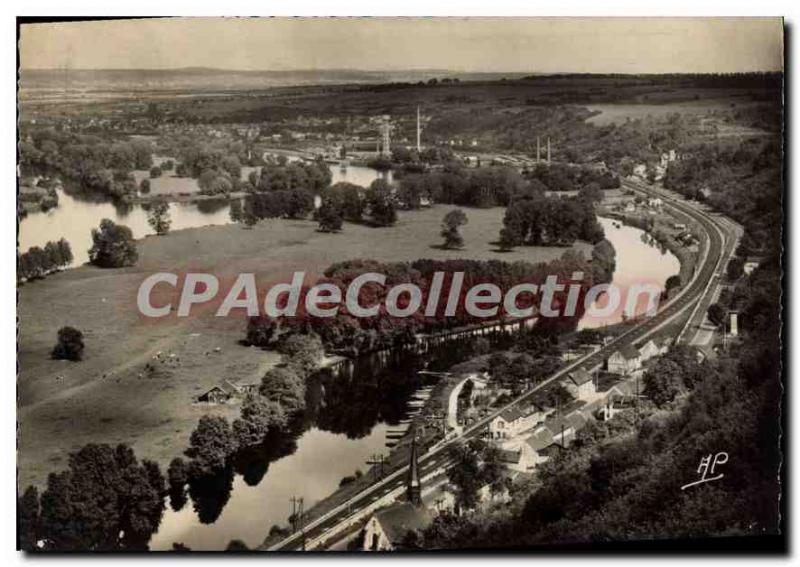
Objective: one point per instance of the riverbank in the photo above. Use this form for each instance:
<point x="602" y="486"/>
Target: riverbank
<point x="107" y="398"/>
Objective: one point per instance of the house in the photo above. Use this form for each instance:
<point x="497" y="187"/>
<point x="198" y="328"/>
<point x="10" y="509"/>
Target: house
<point x="386" y="529"/>
<point x="580" y="384"/>
<point x="655" y="203"/>
<point x="529" y="453"/>
<point x="221" y="393"/>
<point x="630" y="207"/>
<point x="625" y="360"/>
<point x="653" y="348"/>
<point x="248" y="387"/>
<point x="750" y="264"/>
<point x="512" y="421"/>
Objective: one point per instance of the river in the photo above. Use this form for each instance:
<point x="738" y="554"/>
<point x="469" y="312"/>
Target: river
<point x="349" y="410"/>
<point x="640" y="259"/>
<point x="78" y="213"/>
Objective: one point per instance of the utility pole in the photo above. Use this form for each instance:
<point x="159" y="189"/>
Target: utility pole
<point x="548" y="150"/>
<point x="377" y="460"/>
<point x="538" y="149"/>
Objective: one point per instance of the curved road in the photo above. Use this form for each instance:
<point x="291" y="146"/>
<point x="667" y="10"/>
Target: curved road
<point x="437" y="456"/>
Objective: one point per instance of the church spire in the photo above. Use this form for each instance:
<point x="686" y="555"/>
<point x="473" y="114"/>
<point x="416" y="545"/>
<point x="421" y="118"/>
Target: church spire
<point x="414" y="486"/>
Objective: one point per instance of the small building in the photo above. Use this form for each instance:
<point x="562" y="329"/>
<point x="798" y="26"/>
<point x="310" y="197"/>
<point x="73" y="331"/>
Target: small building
<point x="528" y="454"/>
<point x="625" y="361"/>
<point x="221" y="393"/>
<point x="580" y="384"/>
<point x="387" y="528"/>
<point x="750" y="264"/>
<point x="651" y="349"/>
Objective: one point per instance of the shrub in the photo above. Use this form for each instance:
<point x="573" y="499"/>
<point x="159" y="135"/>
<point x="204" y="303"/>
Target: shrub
<point x="69" y="345"/>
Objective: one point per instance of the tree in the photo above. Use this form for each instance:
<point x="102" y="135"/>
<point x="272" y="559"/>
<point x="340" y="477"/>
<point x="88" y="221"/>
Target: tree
<point x="735" y="269"/>
<point x="237" y="545"/>
<point x="717" y="314"/>
<point x="154" y="476"/>
<point x="663" y="382"/>
<point x="451" y="223"/>
<point x="70" y="344"/>
<point x="352" y="200"/>
<point x="259" y="416"/>
<point x="177" y="474"/>
<point x="210" y="445"/>
<point x="329" y="215"/>
<point x="158" y="217"/>
<point x="493" y="470"/>
<point x="112" y="246"/>
<point x="380" y="203"/>
<point x="144" y="186"/>
<point x="155" y="171"/>
<point x="28" y="512"/>
<point x="303" y="351"/>
<point x="104" y="501"/>
<point x="510" y="237"/>
<point x="236" y="211"/>
<point x="672" y="282"/>
<point x="284" y="386"/>
<point x="464" y="476"/>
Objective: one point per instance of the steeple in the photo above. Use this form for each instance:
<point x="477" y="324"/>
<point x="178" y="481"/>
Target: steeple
<point x="414" y="486"/>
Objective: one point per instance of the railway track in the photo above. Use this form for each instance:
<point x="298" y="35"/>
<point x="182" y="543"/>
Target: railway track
<point x="713" y="258"/>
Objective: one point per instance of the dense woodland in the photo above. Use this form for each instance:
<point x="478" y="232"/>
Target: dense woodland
<point x="352" y="335"/>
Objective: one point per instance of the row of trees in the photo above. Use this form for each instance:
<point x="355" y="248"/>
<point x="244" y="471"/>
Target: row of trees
<point x="281" y="396"/>
<point x="106" y="500"/>
<point x="38" y="262"/>
<point x="538" y="220"/>
<point x="351" y="335"/>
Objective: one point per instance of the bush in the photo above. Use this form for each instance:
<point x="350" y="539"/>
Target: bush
<point x="144" y="186"/>
<point x="70" y="344"/>
<point x="155" y="171"/>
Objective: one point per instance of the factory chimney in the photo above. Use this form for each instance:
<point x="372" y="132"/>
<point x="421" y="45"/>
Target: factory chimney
<point x="419" y="131"/>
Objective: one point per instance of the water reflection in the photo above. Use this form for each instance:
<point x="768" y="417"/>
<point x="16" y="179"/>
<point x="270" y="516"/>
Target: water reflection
<point x="349" y="409"/>
<point x="640" y="259"/>
<point x="79" y="211"/>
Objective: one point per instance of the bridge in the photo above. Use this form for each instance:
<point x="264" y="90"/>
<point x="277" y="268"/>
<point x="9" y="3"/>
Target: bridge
<point x="717" y="250"/>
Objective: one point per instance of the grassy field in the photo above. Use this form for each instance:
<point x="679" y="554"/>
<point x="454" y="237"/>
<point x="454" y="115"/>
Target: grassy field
<point x="110" y="397"/>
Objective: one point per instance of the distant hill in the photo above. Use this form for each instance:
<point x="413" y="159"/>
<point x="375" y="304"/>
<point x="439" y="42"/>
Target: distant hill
<point x="205" y="79"/>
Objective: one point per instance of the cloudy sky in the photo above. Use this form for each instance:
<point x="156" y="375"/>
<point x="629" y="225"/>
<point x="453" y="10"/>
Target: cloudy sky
<point x="458" y="44"/>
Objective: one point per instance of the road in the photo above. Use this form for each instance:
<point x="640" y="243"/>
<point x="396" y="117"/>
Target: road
<point x="703" y="281"/>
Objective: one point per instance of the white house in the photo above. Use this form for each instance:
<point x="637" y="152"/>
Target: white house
<point x="513" y="421"/>
<point x="650" y="349"/>
<point x="580" y="384"/>
<point x="525" y="456"/>
<point x="625" y="361"/>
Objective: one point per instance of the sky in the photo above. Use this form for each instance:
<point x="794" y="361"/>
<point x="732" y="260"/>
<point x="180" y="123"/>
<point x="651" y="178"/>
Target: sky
<point x="536" y="45"/>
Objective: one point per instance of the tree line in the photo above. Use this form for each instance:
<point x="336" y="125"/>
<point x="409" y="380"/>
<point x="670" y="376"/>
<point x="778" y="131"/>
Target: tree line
<point x="38" y="262"/>
<point x="97" y="163"/>
<point x="353" y="336"/>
